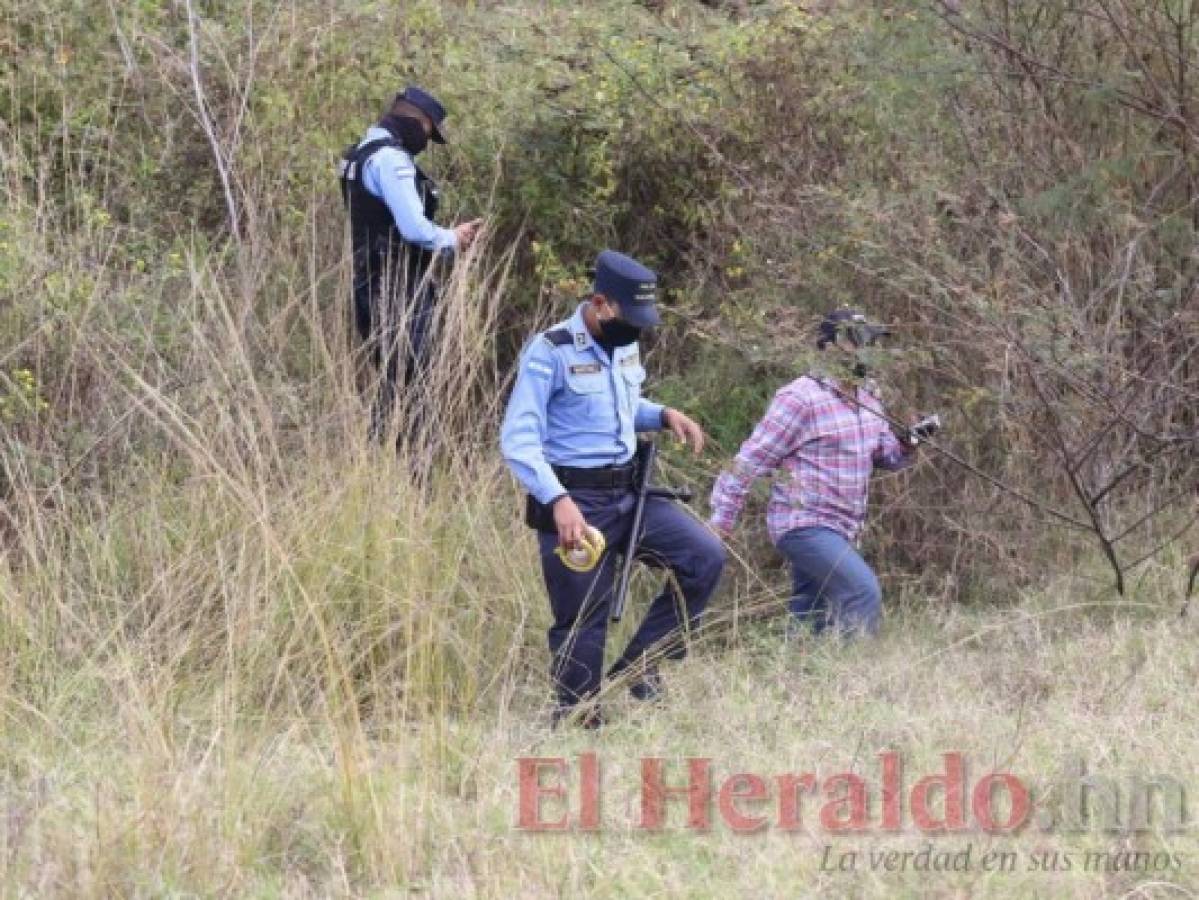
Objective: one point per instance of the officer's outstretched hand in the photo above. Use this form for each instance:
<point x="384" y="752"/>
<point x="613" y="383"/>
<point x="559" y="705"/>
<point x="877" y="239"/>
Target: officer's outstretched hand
<point x="684" y="428"/>
<point x="467" y="232"/>
<point x="571" y="525"/>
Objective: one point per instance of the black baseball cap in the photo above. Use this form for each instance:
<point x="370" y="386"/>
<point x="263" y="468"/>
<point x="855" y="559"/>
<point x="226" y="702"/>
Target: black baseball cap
<point x="861" y="332"/>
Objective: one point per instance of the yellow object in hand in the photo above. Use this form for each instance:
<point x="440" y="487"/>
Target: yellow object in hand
<point x="584" y="557"/>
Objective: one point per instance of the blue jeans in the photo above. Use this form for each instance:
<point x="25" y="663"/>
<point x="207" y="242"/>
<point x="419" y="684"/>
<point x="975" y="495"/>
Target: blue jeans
<point x="832" y="585"/>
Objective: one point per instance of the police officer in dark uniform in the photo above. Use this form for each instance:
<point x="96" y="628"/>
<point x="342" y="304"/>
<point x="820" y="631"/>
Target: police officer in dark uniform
<point x="569" y="436"/>
<point x="392" y="204"/>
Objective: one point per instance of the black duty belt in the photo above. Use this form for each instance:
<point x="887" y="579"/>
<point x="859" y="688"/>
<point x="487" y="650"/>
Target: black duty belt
<point x="608" y="477"/>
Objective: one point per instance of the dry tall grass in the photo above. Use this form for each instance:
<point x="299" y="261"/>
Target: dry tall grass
<point x="270" y="661"/>
<point x="244" y="650"/>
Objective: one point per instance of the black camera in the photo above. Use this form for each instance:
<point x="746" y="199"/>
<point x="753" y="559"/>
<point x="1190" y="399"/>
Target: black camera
<point x="924" y="429"/>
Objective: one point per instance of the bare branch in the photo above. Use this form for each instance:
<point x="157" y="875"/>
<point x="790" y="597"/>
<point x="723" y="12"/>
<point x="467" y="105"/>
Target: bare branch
<point x="218" y="153"/>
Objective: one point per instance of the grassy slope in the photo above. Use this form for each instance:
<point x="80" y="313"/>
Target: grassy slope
<point x="191" y="757"/>
<point x="246" y="661"/>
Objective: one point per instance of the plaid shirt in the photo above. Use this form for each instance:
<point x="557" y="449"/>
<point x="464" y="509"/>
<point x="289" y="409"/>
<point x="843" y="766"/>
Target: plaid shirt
<point x="826" y="446"/>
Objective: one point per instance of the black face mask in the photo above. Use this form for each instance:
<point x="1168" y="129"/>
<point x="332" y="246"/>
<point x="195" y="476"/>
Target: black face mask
<point x="408" y="131"/>
<point x="617" y="333"/>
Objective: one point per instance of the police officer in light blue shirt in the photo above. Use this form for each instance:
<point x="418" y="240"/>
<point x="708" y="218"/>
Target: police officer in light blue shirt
<point x="569" y="436"/>
<point x="393" y="205"/>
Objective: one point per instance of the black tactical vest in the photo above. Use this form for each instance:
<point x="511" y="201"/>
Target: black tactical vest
<point x="380" y="251"/>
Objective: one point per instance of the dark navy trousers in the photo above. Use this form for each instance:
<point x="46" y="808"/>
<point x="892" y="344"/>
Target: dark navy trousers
<point x="401" y="343"/>
<point x="580" y="601"/>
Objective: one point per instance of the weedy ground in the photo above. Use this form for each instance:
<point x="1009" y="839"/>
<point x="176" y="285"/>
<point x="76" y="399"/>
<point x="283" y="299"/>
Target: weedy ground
<point x="269" y="657"/>
<point x="325" y="689"/>
<point x="246" y="652"/>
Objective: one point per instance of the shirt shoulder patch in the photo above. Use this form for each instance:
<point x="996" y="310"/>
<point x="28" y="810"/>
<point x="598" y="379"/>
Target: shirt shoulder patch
<point x="403" y="169"/>
<point x="539" y="368"/>
<point x="559" y="337"/>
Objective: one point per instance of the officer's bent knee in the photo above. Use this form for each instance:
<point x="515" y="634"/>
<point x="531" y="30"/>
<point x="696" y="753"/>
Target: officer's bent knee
<point x="719" y="558"/>
<point x="713" y="556"/>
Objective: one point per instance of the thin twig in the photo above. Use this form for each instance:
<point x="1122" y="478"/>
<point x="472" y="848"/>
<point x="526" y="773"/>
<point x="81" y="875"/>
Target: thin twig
<point x="218" y="153"/>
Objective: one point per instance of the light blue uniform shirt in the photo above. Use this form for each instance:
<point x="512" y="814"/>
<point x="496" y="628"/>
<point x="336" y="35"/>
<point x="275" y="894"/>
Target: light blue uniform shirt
<point x="574" y="406"/>
<point x="390" y="174"/>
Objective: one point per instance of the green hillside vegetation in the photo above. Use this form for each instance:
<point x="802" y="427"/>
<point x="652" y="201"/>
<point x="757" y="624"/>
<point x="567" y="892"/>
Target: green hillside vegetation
<point x="245" y="651"/>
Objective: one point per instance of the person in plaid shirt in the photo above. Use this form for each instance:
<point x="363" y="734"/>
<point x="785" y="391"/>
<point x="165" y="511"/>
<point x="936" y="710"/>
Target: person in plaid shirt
<point x="827" y="435"/>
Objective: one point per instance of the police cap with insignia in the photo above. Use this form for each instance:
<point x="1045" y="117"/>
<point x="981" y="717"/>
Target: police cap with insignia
<point x="632" y="285"/>
<point x="429" y="105"/>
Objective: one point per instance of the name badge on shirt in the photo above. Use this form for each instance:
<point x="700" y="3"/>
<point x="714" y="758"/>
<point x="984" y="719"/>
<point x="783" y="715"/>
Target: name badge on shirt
<point x="585" y="369"/>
